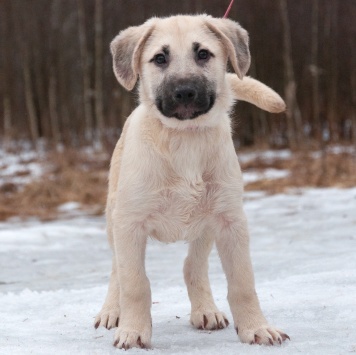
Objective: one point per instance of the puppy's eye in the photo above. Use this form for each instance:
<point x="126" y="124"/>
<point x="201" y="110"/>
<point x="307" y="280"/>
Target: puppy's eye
<point x="160" y="59"/>
<point x="203" y="54"/>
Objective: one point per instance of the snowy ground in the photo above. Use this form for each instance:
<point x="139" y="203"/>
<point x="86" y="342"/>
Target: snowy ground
<point x="53" y="279"/>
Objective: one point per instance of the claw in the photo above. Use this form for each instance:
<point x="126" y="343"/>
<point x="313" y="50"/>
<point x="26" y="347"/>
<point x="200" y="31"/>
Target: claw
<point x="237" y="330"/>
<point x="218" y="324"/>
<point x="139" y="342"/>
<point x="116" y="342"/>
<point x="279" y="341"/>
<point x="96" y="325"/>
<point x="270" y="341"/>
<point x="227" y="322"/>
<point x="257" y="339"/>
<point x="205" y="321"/>
<point x="285" y="336"/>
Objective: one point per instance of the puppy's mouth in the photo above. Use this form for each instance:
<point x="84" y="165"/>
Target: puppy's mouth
<point x="185" y="112"/>
<point x="185" y="98"/>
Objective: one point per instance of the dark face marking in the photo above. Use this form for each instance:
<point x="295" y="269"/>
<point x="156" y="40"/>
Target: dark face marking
<point x="161" y="59"/>
<point x="202" y="55"/>
<point x="185" y="98"/>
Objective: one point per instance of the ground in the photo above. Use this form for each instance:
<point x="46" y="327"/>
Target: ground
<point x="54" y="275"/>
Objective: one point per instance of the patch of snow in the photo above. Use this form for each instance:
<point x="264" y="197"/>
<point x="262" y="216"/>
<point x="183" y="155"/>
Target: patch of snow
<point x="69" y="207"/>
<point x="266" y="155"/>
<point x="336" y="149"/>
<point x="54" y="275"/>
<point x="20" y="168"/>
<point x="339" y="149"/>
<point x="270" y="174"/>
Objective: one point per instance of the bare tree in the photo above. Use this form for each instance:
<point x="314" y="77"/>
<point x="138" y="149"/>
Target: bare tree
<point x="314" y="69"/>
<point x="5" y="82"/>
<point x="86" y="70"/>
<point x="353" y="88"/>
<point x="294" y="118"/>
<point x="52" y="98"/>
<point x="53" y="82"/>
<point x="36" y="24"/>
<point x="99" y="68"/>
<point x="17" y="11"/>
<point x="331" y="35"/>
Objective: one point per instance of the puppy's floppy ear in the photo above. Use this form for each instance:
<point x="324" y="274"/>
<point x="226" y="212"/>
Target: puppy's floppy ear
<point x="126" y="49"/>
<point x="235" y="40"/>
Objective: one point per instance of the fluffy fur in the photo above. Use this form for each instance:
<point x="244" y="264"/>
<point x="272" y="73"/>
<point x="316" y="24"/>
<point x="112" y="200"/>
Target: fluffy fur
<point x="174" y="179"/>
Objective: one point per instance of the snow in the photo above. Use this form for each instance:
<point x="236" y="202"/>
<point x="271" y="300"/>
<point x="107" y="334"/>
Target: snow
<point x="53" y="280"/>
<point x="252" y="176"/>
<point x="20" y="167"/>
<point x="265" y="155"/>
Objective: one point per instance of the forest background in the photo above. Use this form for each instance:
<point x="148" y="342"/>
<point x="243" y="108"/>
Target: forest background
<point x="57" y="82"/>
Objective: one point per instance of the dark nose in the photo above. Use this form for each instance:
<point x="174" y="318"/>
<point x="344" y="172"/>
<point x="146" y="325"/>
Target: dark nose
<point x="185" y="94"/>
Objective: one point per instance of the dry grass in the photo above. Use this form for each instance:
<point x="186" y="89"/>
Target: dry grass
<point x="72" y="176"/>
<point x="79" y="177"/>
<point x="330" y="170"/>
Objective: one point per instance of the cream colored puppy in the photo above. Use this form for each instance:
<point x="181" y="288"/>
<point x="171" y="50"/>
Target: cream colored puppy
<point x="175" y="175"/>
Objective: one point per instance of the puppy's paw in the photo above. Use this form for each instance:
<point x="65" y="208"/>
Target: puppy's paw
<point x="108" y="318"/>
<point x="264" y="335"/>
<point x="209" y="320"/>
<point x="126" y="338"/>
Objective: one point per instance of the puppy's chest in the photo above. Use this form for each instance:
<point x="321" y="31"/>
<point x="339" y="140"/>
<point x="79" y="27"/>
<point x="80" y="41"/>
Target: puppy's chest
<point x="189" y="190"/>
<point x="184" y="210"/>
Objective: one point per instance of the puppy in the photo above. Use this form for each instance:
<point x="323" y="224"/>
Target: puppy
<point x="175" y="175"/>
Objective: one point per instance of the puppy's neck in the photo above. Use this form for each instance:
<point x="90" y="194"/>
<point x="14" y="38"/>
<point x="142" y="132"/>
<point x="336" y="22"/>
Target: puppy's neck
<point x="188" y="150"/>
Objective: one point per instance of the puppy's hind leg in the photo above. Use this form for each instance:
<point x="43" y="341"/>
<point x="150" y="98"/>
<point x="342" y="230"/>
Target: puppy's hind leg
<point x="109" y="315"/>
<point x="204" y="313"/>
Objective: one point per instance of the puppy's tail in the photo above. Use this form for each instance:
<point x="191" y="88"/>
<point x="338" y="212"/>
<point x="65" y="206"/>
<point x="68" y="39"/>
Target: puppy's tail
<point x="256" y="93"/>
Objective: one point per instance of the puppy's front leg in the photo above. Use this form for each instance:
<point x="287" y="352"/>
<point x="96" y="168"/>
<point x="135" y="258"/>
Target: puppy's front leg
<point x="233" y="248"/>
<point x="135" y="327"/>
<point x="204" y="314"/>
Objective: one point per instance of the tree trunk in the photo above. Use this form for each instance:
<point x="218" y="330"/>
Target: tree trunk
<point x="294" y="118"/>
<point x="353" y="90"/>
<point x="332" y="116"/>
<point x="26" y="72"/>
<point x="7" y="120"/>
<point x="86" y="72"/>
<point x="314" y="68"/>
<point x="52" y="98"/>
<point x="319" y="126"/>
<point x="39" y="75"/>
<point x="5" y="82"/>
<point x="99" y="69"/>
<point x="29" y="97"/>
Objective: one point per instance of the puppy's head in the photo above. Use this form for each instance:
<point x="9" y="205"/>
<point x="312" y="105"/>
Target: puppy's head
<point x="181" y="62"/>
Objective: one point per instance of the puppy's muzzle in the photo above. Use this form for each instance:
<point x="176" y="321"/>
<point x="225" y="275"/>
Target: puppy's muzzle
<point x="185" y="99"/>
